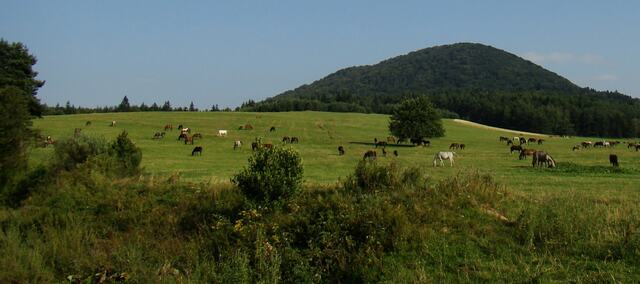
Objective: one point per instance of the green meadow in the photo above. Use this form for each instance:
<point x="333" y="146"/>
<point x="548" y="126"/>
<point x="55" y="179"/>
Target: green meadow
<point x="490" y="218"/>
<point x="321" y="133"/>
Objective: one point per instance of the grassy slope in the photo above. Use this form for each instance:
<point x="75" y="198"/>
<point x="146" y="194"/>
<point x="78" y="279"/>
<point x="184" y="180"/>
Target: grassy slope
<point x="321" y="133"/>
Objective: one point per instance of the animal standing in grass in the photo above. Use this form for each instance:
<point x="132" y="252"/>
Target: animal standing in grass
<point x="613" y="159"/>
<point x="237" y="144"/>
<point x="369" y="155"/>
<point x="340" y="151"/>
<point x="441" y="156"/>
<point x="541" y="157"/>
<point x="197" y="150"/>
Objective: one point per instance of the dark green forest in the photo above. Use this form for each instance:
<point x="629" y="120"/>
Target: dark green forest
<point x="470" y="81"/>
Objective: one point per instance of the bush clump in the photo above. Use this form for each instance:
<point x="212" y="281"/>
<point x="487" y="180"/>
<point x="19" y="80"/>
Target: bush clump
<point x="370" y="176"/>
<point x="272" y="175"/>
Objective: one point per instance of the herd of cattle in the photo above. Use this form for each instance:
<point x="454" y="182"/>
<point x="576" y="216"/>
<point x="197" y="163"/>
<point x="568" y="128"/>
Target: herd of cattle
<point x="516" y="144"/>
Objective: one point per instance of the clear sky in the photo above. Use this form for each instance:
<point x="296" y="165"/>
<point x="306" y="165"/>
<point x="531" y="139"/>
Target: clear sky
<point x="226" y="52"/>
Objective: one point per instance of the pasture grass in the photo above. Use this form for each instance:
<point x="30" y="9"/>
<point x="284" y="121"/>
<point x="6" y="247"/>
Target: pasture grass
<point x="321" y="133"/>
<point x="491" y="218"/>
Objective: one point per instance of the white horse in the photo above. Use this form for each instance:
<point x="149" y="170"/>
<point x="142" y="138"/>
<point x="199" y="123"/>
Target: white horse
<point x="237" y="144"/>
<point x="222" y="133"/>
<point x="441" y="156"/>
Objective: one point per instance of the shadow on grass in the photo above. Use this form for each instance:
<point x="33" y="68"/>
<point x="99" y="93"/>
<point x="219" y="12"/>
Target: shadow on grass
<point x="388" y="145"/>
<point x="572" y="168"/>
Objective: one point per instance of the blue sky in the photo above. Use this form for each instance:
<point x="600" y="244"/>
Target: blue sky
<point x="226" y="52"/>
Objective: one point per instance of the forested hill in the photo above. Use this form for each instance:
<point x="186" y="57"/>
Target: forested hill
<point x="457" y="66"/>
<point x="472" y="81"/>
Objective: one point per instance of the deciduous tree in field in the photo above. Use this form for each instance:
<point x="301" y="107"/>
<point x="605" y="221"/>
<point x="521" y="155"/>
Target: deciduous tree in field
<point x="416" y="118"/>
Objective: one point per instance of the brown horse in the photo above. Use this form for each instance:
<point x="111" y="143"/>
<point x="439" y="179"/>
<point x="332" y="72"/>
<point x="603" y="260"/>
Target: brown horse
<point x="197" y="135"/>
<point x="188" y="140"/>
<point x="526" y="152"/>
<point x="168" y="127"/>
<point x="540" y="157"/>
<point x="370" y="155"/>
<point x="286" y="139"/>
<point x="613" y="159"/>
<point x="454" y="146"/>
<point x="515" y="148"/>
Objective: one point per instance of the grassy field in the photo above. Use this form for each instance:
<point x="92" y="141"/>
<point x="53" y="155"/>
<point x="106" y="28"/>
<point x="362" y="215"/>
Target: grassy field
<point x="321" y="133"/>
<point x="579" y="222"/>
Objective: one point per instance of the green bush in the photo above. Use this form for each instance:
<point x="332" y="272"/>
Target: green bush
<point x="127" y="154"/>
<point x="73" y="151"/>
<point x="369" y="176"/>
<point x="272" y="175"/>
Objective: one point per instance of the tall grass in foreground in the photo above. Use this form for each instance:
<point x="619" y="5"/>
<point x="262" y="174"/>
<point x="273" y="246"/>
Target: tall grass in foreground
<point x="383" y="223"/>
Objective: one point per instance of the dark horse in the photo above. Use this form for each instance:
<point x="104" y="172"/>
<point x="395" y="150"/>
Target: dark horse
<point x="340" y="150"/>
<point x="613" y="159"/>
<point x="515" y="148"/>
<point x="197" y="150"/>
<point x="371" y="155"/>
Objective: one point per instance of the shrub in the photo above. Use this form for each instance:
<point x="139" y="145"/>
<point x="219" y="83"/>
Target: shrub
<point x="272" y="175"/>
<point x="127" y="154"/>
<point x="369" y="176"/>
<point x="73" y="151"/>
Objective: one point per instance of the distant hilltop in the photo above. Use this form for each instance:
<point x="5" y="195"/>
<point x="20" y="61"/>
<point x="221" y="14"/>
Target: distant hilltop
<point x="473" y="81"/>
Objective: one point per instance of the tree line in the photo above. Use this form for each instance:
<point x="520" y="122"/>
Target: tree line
<point x="124" y="106"/>
<point x="585" y="112"/>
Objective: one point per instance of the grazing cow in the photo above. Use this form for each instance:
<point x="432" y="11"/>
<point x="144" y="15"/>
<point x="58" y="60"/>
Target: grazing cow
<point x="168" y="127"/>
<point x="183" y="136"/>
<point x="113" y="123"/>
<point x="576" y="147"/>
<point x="294" y="140"/>
<point x="441" y="156"/>
<point x="272" y="129"/>
<point x="515" y="148"/>
<point x="188" y="140"/>
<point x="454" y="146"/>
<point x="267" y="146"/>
<point x="197" y="135"/>
<point x="88" y="123"/>
<point x="540" y="141"/>
<point x="254" y="146"/>
<point x="237" y="144"/>
<point x="526" y="152"/>
<point x="222" y="133"/>
<point x="369" y="155"/>
<point x="197" y="150"/>
<point x="391" y="139"/>
<point x="286" y="139"/>
<point x="340" y="150"/>
<point x="540" y="157"/>
<point x="613" y="159"/>
<point x="503" y="139"/>
<point x="76" y="131"/>
<point x="395" y="153"/>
